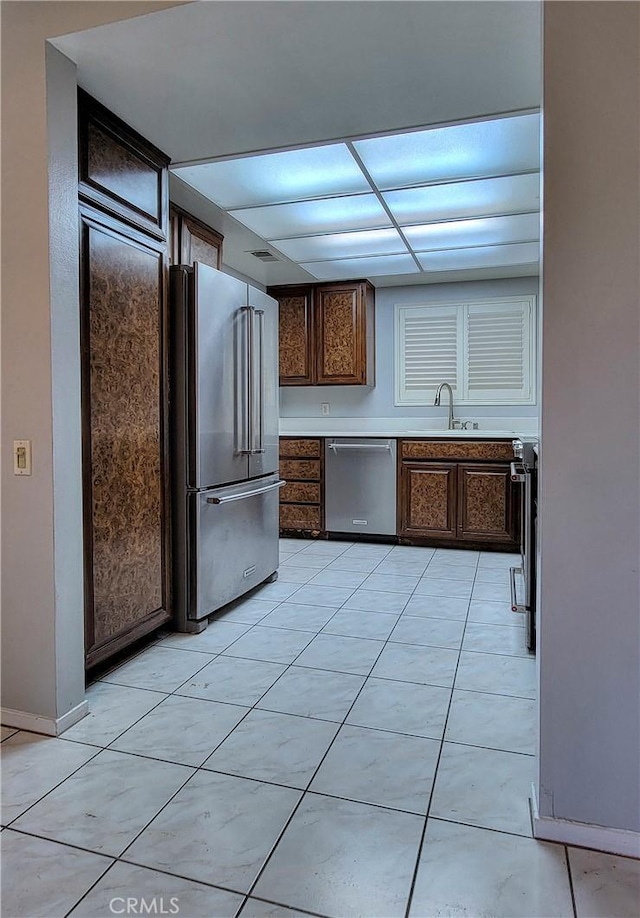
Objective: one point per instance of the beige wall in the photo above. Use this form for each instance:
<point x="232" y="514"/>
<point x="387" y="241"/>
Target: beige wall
<point x="42" y="663"/>
<point x="590" y="616"/>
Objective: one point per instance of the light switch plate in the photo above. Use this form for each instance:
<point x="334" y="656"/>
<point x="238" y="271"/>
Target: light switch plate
<point x="22" y="457"/>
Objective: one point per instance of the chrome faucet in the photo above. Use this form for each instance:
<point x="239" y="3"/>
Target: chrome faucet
<point x="445" y="385"/>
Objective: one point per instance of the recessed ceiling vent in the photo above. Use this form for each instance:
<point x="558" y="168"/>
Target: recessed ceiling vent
<point x="264" y="255"/>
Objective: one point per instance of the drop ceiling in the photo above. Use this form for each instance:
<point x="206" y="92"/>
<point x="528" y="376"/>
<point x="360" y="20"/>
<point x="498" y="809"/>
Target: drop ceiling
<point x="208" y="82"/>
<point x="451" y="198"/>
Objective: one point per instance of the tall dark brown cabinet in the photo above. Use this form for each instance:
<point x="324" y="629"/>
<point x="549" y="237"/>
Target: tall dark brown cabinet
<point x="123" y="295"/>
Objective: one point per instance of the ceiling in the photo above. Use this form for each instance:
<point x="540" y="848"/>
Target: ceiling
<point x="217" y="80"/>
<point x="445" y="199"/>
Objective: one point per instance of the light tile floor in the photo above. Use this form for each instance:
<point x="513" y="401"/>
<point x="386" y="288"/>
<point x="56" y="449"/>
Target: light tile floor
<point x="356" y="739"/>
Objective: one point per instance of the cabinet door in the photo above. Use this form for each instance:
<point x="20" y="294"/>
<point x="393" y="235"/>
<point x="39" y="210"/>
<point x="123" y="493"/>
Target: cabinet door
<point x="341" y="334"/>
<point x="486" y="506"/>
<point x="123" y="324"/>
<point x="297" y="365"/>
<point x="428" y="492"/>
<point x="119" y="171"/>
<point x="199" y="243"/>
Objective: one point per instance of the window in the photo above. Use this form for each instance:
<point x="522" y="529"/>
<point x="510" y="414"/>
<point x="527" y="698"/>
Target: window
<point x="483" y="349"/>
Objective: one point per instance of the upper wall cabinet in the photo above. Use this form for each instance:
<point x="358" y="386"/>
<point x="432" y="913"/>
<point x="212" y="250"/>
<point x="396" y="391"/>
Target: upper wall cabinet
<point x="297" y="348"/>
<point x="192" y="240"/>
<point x="327" y="334"/>
<point x="121" y="172"/>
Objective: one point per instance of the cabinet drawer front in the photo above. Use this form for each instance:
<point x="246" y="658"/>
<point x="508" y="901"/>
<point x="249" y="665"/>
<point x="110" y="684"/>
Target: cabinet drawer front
<point x="297" y="516"/>
<point x="303" y="448"/>
<point x="300" y="492"/>
<point x="457" y="449"/>
<point x="305" y="469"/>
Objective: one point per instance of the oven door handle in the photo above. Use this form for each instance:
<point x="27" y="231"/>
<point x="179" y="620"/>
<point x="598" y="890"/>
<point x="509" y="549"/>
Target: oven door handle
<point x="515" y="605"/>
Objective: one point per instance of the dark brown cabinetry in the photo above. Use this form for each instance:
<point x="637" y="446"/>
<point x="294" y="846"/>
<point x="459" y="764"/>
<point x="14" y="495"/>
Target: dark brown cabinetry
<point x="302" y="498"/>
<point x="485" y="504"/>
<point x="192" y="240"/>
<point x="446" y="499"/>
<point x="297" y="338"/>
<point x="327" y="334"/>
<point x="428" y="499"/>
<point x="123" y="221"/>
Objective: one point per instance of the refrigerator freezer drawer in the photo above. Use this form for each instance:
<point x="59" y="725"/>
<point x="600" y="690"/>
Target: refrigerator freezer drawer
<point x="235" y="542"/>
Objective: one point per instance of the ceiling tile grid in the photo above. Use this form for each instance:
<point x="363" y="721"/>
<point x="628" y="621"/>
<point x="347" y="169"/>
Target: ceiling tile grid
<point x="451" y="198"/>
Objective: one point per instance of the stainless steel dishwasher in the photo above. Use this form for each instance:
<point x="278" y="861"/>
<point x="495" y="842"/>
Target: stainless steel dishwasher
<point x="360" y="485"/>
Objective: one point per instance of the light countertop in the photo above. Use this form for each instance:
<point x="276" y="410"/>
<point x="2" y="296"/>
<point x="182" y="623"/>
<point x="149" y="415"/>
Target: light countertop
<point x="313" y="431"/>
<point x="490" y="428"/>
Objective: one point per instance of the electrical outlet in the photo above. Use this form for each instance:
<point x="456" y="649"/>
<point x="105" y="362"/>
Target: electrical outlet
<point x="325" y="408"/>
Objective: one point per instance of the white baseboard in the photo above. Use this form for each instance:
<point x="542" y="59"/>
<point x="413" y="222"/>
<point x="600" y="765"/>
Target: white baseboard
<point x="583" y="834"/>
<point x="49" y="726"/>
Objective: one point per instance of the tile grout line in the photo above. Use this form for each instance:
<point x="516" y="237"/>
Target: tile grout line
<point x="341" y="723"/>
<point x="91" y="888"/>
<point x="421" y="843"/>
<point x="194" y="769"/>
<point x="567" y="861"/>
<point x="117" y="859"/>
<point x="98" y="749"/>
<point x="319" y="765"/>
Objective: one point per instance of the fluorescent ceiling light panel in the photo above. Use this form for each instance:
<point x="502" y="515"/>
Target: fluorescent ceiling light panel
<point x="277" y="177"/>
<point x="342" y="245"/>
<point x="490" y="256"/>
<point x="466" y="233"/>
<point x="485" y="197"/>
<point x="361" y="267"/>
<point x="484" y="148"/>
<point x="307" y="218"/>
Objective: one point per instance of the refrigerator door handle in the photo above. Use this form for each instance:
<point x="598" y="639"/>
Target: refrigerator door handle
<point x="246" y="494"/>
<point x="245" y="383"/>
<point x="259" y="380"/>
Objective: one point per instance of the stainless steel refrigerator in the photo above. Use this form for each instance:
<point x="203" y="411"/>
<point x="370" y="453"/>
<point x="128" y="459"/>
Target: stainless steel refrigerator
<point x="224" y="426"/>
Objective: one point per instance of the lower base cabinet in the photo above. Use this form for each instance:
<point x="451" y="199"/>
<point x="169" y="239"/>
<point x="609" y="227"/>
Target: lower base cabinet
<point x="302" y="498"/>
<point x="485" y="505"/>
<point x="428" y="497"/>
<point x="456" y="494"/>
<point x="457" y="503"/>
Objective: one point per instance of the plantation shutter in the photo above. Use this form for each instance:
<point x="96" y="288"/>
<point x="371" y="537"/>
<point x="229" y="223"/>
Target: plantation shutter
<point x="483" y="349"/>
<point x="427" y="352"/>
<point x="498" y="352"/>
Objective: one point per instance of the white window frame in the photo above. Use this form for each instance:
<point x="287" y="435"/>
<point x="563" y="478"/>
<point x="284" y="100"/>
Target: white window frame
<point x="425" y="397"/>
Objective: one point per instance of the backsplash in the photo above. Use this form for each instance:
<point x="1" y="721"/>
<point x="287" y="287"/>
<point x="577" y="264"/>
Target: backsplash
<point x="378" y="401"/>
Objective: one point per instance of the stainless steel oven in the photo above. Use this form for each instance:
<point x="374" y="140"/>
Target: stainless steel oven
<point x="523" y="577"/>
